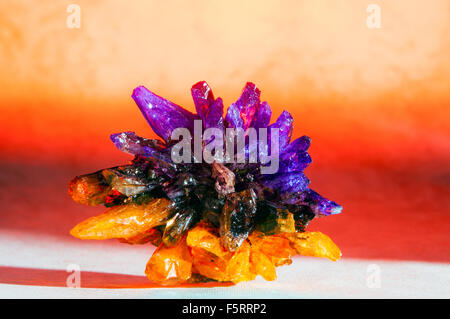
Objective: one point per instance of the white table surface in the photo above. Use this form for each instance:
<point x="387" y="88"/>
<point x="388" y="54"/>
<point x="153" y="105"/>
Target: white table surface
<point x="304" y="278"/>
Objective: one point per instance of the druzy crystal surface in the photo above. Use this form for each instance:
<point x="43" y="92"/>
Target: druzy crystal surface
<point x="219" y="221"/>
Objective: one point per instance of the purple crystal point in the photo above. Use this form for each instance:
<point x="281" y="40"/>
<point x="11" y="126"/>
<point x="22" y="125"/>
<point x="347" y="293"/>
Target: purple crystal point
<point x="203" y="98"/>
<point x="301" y="144"/>
<point x="294" y="157"/>
<point x="215" y="115"/>
<point x="318" y="204"/>
<point x="130" y="143"/>
<point x="287" y="182"/>
<point x="284" y="124"/>
<point x="233" y="117"/>
<point x="263" y="116"/>
<point x="243" y="112"/>
<point x="133" y="144"/>
<point x="162" y="115"/>
<point x="294" y="162"/>
<point x="209" y="109"/>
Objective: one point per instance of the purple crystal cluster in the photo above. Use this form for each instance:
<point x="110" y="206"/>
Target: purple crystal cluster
<point x="235" y="197"/>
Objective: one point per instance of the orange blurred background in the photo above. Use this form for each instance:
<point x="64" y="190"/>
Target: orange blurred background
<point x="376" y="102"/>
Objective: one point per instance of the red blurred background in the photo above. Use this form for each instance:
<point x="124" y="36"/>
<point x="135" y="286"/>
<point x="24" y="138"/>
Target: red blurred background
<point x="376" y="103"/>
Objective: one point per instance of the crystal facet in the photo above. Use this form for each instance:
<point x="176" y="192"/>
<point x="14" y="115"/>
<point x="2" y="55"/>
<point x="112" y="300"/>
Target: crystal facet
<point x="243" y="112"/>
<point x="125" y="221"/>
<point x="162" y="115"/>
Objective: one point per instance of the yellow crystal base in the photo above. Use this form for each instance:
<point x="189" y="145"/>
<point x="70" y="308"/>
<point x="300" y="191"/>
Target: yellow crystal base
<point x="200" y="255"/>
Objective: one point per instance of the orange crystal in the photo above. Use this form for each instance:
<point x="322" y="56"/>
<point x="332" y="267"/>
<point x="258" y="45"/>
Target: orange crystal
<point x="170" y="265"/>
<point x="239" y="267"/>
<point x="262" y="265"/>
<point x="152" y="236"/>
<point x="209" y="265"/>
<point x="213" y="261"/>
<point x="277" y="248"/>
<point x="200" y="251"/>
<point x="206" y="237"/>
<point x="124" y="221"/>
<point x="314" y="244"/>
<point x="209" y="257"/>
<point x="88" y="190"/>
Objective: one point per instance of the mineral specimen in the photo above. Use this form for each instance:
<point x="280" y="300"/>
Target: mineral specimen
<point x="225" y="221"/>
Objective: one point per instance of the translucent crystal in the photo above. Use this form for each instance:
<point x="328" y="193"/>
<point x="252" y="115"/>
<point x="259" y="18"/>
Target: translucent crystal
<point x="90" y="189"/>
<point x="125" y="221"/>
<point x="237" y="219"/>
<point x="170" y="265"/>
<point x="178" y="225"/>
<point x="314" y="244"/>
